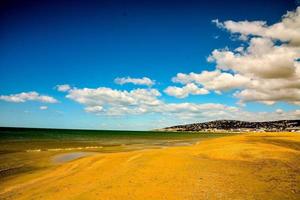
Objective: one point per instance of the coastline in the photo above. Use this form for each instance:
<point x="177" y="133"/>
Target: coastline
<point x="247" y="166"/>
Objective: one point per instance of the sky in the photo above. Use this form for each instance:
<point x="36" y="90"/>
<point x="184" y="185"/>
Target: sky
<point x="141" y="65"/>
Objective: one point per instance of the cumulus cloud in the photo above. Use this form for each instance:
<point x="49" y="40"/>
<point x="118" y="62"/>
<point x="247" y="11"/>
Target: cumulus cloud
<point x="213" y="80"/>
<point x="63" y="88"/>
<point x="93" y="109"/>
<point x="28" y="96"/>
<point x="266" y="69"/>
<point x="136" y="81"/>
<point x="43" y="107"/>
<point x="268" y="96"/>
<point x="111" y="102"/>
<point x="185" y="91"/>
<point x="287" y="30"/>
<point x="262" y="59"/>
<point x="103" y="95"/>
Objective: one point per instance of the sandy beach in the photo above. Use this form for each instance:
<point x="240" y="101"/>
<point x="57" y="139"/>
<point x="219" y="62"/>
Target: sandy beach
<point x="149" y="100"/>
<point x="248" y="166"/>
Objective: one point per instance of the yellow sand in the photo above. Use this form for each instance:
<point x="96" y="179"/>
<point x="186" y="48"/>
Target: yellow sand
<point x="252" y="166"/>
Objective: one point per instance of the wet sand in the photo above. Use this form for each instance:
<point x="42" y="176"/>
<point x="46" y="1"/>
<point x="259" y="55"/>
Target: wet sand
<point x="249" y="166"/>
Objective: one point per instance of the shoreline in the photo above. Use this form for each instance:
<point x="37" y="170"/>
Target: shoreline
<point x="246" y="166"/>
<point x="23" y="156"/>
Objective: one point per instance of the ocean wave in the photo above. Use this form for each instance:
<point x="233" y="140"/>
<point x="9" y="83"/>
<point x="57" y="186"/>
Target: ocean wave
<point x="65" y="149"/>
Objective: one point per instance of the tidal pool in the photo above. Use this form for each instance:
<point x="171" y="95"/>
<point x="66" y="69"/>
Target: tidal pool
<point x="66" y="157"/>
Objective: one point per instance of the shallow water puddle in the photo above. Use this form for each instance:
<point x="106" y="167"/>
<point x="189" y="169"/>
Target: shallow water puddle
<point x="62" y="158"/>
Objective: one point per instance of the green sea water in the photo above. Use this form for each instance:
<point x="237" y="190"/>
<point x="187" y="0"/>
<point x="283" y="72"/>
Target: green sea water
<point x="23" y="150"/>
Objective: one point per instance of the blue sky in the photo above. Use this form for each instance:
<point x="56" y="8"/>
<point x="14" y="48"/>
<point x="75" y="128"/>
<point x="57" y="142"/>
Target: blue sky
<point x="88" y="44"/>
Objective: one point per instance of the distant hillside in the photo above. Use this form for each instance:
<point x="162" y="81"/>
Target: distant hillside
<point x="234" y="125"/>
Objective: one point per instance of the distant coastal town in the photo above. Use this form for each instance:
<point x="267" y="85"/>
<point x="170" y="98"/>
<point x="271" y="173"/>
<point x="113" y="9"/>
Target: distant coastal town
<point x="239" y="126"/>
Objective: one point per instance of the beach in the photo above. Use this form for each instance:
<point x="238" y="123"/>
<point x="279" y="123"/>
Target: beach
<point x="247" y="166"/>
<point x="150" y="100"/>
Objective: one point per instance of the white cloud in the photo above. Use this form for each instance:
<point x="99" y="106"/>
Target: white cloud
<point x="272" y="67"/>
<point x="205" y="76"/>
<point x="194" y="107"/>
<point x="278" y="114"/>
<point x="93" y="109"/>
<point x="136" y="81"/>
<point x="261" y="59"/>
<point x="287" y="30"/>
<point x="110" y="101"/>
<point x="103" y="95"/>
<point x="28" y="96"/>
<point x="107" y="101"/>
<point x="43" y="107"/>
<point x="266" y="69"/>
<point x="213" y="80"/>
<point x="268" y="96"/>
<point x="63" y="88"/>
<point x="185" y="91"/>
<point x="279" y="111"/>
